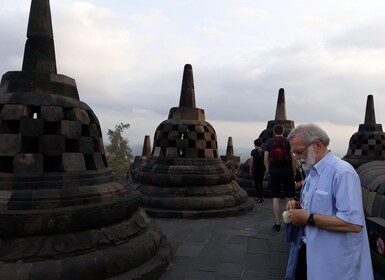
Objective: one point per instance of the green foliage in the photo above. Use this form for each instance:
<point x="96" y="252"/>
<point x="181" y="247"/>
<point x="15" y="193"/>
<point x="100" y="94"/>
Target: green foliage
<point x="119" y="154"/>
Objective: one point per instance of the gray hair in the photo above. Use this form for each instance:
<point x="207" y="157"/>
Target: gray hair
<point x="309" y="133"/>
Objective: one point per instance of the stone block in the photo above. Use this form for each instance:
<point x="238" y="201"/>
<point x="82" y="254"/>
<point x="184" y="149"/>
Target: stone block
<point x="101" y="146"/>
<point x="31" y="127"/>
<point x="10" y="144"/>
<point x="51" y="113"/>
<point x="214" y="145"/>
<point x="29" y="164"/>
<point x="52" y="145"/>
<point x="86" y="145"/>
<point x="168" y="127"/>
<point x="14" y="112"/>
<point x="73" y="162"/>
<point x="79" y="115"/>
<point x="173" y="135"/>
<point x="207" y="136"/>
<point x="159" y="134"/>
<point x="157" y="151"/>
<point x="71" y="129"/>
<point x="171" y="152"/>
<point x="99" y="163"/>
<point x="201" y="144"/>
<point x="199" y="129"/>
<point x="21" y="269"/>
<point x="94" y="132"/>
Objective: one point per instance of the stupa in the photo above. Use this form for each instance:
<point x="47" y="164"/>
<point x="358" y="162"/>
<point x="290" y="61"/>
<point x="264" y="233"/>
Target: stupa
<point x="232" y="161"/>
<point x="368" y="143"/>
<point x="140" y="160"/>
<point x="62" y="215"/>
<point x="184" y="177"/>
<point x="243" y="176"/>
<point x="280" y="118"/>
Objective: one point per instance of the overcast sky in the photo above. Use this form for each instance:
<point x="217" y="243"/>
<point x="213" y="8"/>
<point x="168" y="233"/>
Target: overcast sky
<point x="127" y="58"/>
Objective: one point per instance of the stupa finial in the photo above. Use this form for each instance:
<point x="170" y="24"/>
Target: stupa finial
<point x="230" y="147"/>
<point x="39" y="52"/>
<point x="146" y="151"/>
<point x="187" y="95"/>
<point x="280" y="112"/>
<point x="370" y="116"/>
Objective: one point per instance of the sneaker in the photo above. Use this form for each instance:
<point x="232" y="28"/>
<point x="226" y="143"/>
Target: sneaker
<point x="258" y="200"/>
<point x="277" y="227"/>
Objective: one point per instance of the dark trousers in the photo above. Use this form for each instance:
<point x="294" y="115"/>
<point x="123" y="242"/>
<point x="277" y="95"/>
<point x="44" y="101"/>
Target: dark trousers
<point x="301" y="270"/>
<point x="258" y="183"/>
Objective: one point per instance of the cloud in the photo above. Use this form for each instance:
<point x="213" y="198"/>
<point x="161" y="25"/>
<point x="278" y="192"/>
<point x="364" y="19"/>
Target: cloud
<point x="127" y="59"/>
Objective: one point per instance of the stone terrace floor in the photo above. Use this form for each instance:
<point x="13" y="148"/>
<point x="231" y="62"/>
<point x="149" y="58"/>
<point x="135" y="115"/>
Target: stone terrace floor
<point x="235" y="248"/>
<point x="243" y="247"/>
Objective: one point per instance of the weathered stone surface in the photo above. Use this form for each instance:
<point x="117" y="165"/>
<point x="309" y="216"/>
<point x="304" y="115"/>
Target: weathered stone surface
<point x="28" y="164"/>
<point x="79" y="115"/>
<point x="176" y="180"/>
<point x="51" y="113"/>
<point x="62" y="215"/>
<point x="10" y="144"/>
<point x="243" y="177"/>
<point x="367" y="144"/>
<point x="71" y="129"/>
<point x="14" y="112"/>
<point x="73" y="162"/>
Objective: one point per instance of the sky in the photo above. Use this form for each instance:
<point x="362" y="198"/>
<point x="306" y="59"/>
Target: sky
<point x="127" y="58"/>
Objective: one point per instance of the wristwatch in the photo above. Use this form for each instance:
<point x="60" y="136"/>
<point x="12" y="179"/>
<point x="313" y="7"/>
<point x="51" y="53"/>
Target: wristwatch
<point x="310" y="220"/>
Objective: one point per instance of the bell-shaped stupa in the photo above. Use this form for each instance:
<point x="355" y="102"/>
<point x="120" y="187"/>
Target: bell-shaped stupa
<point x="368" y="143"/>
<point x="232" y="161"/>
<point x="280" y="118"/>
<point x="243" y="176"/>
<point x="62" y="214"/>
<point x="185" y="177"/>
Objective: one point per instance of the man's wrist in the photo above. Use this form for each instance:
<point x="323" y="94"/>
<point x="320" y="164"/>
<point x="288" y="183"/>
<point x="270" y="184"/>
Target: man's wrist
<point x="310" y="220"/>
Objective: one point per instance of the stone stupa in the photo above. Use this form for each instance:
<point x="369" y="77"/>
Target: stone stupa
<point x="280" y="118"/>
<point x="232" y="161"/>
<point x="368" y="143"/>
<point x="184" y="177"/>
<point x="63" y="215"/>
<point x="243" y="176"/>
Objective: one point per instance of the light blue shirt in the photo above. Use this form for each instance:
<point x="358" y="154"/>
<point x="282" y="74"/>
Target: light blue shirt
<point x="335" y="189"/>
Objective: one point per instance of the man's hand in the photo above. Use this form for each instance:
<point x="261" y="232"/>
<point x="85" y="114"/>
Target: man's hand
<point x="292" y="204"/>
<point x="298" y="217"/>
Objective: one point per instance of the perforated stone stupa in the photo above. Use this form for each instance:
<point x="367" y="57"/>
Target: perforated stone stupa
<point x="62" y="215"/>
<point x="185" y="177"/>
<point x="243" y="176"/>
<point x="368" y="143"/>
<point x="280" y="118"/>
<point x="232" y="161"/>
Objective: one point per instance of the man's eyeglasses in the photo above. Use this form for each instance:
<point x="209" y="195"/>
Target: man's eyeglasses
<point x="298" y="154"/>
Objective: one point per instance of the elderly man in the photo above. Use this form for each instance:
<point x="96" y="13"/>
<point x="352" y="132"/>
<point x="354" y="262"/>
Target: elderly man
<point x="335" y="242"/>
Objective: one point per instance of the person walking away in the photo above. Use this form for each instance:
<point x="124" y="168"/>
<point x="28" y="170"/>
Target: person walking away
<point x="280" y="168"/>
<point x="257" y="169"/>
<point x="335" y="242"/>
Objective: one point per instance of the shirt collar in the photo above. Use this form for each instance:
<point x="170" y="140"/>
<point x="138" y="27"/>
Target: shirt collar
<point x="320" y="166"/>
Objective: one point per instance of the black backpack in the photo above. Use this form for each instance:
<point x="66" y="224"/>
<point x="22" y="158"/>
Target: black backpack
<point x="278" y="151"/>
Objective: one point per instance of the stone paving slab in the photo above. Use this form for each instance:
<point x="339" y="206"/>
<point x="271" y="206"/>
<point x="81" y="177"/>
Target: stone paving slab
<point x="234" y="248"/>
<point x="242" y="248"/>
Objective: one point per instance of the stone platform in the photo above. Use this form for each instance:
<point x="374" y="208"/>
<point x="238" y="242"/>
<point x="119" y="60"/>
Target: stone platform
<point x="243" y="247"/>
